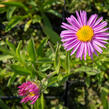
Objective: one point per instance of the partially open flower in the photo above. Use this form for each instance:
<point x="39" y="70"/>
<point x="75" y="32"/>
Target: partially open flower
<point x="84" y="36"/>
<point x="30" y="91"/>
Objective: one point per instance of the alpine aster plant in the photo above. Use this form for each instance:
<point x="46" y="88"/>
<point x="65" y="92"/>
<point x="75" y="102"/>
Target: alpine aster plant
<point x="30" y="91"/>
<point x="82" y="35"/>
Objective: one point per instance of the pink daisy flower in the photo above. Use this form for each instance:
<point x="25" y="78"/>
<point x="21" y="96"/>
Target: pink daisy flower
<point x="82" y="35"/>
<point x="30" y="90"/>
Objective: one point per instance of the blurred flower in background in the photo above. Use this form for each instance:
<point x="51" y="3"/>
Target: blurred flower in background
<point x="30" y="90"/>
<point x="84" y="36"/>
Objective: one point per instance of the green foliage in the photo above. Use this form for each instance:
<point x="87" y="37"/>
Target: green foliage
<point x="3" y="105"/>
<point x="47" y="28"/>
<point x="30" y="49"/>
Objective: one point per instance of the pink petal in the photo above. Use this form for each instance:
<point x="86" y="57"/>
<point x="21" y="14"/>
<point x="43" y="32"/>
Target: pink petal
<point x="69" y="42"/>
<point x="81" y="15"/>
<point x="75" y="22"/>
<point x="79" y="18"/>
<point x="102" y="30"/>
<point x="81" y="49"/>
<point x="66" y="26"/>
<point x="68" y="39"/>
<point x="100" y="26"/>
<point x="72" y="45"/>
<point x="34" y="100"/>
<point x="98" y="43"/>
<point x="74" y="25"/>
<point x="104" y="42"/>
<point x="98" y="21"/>
<point x="88" y="48"/>
<point x="85" y="50"/>
<point x="75" y="48"/>
<point x="85" y="18"/>
<point x="67" y="33"/>
<point x="97" y="47"/>
<point x="92" y="19"/>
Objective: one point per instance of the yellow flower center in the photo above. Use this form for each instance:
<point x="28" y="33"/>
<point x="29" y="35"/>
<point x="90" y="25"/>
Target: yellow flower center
<point x="31" y="94"/>
<point x="85" y="33"/>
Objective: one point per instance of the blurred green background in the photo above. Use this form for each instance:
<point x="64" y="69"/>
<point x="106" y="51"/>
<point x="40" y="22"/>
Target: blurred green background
<point x="30" y="49"/>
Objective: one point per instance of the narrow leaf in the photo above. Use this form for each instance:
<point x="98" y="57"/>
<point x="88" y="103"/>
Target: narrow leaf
<point x="11" y="46"/>
<point x="40" y="48"/>
<point x="57" y="59"/>
<point x="20" y="70"/>
<point x="5" y="57"/>
<point x="55" y="13"/>
<point x="10" y="12"/>
<point x="13" y="22"/>
<point x="18" y="49"/>
<point x="32" y="50"/>
<point x="27" y="25"/>
<point x="47" y="28"/>
<point x="42" y="101"/>
<point x="11" y="80"/>
<point x="18" y="4"/>
<point x="3" y="105"/>
<point x="67" y="62"/>
<point x="104" y="99"/>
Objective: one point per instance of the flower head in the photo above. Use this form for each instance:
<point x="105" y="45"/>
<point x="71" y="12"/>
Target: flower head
<point x="84" y="35"/>
<point x="30" y="90"/>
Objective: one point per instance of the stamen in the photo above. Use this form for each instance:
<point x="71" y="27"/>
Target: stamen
<point x="85" y="33"/>
<point x="31" y="94"/>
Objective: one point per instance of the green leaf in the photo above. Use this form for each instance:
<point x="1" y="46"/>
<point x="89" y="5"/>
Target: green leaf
<point x="55" y="13"/>
<point x="36" y="19"/>
<point x="57" y="59"/>
<point x="42" y="101"/>
<point x="88" y="81"/>
<point x="40" y="48"/>
<point x="44" y="67"/>
<point x="11" y="80"/>
<point x="25" y="106"/>
<point x="10" y="12"/>
<point x="11" y="46"/>
<point x="20" y="70"/>
<point x="47" y="4"/>
<point x="27" y="25"/>
<point x="3" y="105"/>
<point x="4" y="73"/>
<point x="92" y="105"/>
<point x="47" y="28"/>
<point x="53" y="81"/>
<point x="89" y="70"/>
<point x="31" y="50"/>
<point x="60" y="77"/>
<point x="63" y="78"/>
<point x="17" y="4"/>
<point x="42" y="75"/>
<point x="44" y="60"/>
<point x="5" y="57"/>
<point x="37" y="104"/>
<point x="67" y="65"/>
<point x="2" y="10"/>
<point x="18" y="49"/>
<point x="4" y="50"/>
<point x="13" y="22"/>
<point x="104" y="99"/>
